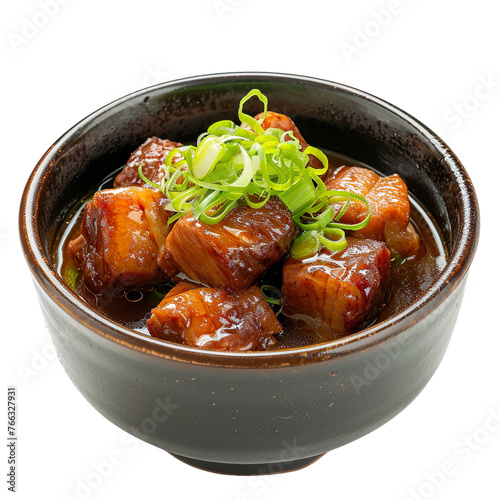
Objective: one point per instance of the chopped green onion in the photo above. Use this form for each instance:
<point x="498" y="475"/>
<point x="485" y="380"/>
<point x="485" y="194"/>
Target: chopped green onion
<point x="254" y="204"/>
<point x="145" y="179"/>
<point x="249" y="120"/>
<point x="275" y="297"/>
<point x="299" y="196"/>
<point x="71" y="275"/>
<point x="310" y="242"/>
<point x="232" y="164"/>
<point x="217" y="217"/>
<point x="335" y="196"/>
<point x="310" y="150"/>
<point x="333" y="239"/>
<point x="319" y="222"/>
<point x="159" y="292"/>
<point x="207" y="155"/>
<point x="306" y="245"/>
<point x="397" y="259"/>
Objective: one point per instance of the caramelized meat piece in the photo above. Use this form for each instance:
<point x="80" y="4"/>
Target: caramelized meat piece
<point x="213" y="318"/>
<point x="151" y="156"/>
<point x="389" y="205"/>
<point x="341" y="290"/>
<point x="285" y="123"/>
<point x="232" y="253"/>
<point x="123" y="229"/>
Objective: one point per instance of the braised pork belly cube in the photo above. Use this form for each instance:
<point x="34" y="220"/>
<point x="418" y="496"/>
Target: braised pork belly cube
<point x="389" y="206"/>
<point x="214" y="318"/>
<point x="151" y="155"/>
<point x="233" y="253"/>
<point x="342" y="291"/>
<point x="124" y="229"/>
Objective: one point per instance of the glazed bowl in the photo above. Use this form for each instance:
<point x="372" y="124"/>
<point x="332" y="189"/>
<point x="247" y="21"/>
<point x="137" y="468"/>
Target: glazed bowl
<point x="260" y="412"/>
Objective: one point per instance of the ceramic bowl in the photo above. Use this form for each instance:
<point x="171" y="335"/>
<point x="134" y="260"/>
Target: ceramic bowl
<point x="262" y="412"/>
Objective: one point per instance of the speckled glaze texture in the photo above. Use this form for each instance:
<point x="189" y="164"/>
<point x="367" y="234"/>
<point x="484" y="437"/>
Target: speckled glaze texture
<point x="251" y="412"/>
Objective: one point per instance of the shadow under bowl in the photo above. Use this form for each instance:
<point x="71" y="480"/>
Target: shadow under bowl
<point x="262" y="412"/>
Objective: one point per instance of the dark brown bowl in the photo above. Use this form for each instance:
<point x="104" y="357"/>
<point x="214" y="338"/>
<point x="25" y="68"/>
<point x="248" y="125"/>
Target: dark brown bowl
<point x="266" y="411"/>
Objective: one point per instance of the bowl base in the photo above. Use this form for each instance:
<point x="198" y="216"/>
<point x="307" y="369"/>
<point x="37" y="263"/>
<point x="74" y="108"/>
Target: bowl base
<point x="249" y="469"/>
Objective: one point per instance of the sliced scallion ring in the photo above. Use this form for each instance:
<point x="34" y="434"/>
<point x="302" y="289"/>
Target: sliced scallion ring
<point x="274" y="297"/>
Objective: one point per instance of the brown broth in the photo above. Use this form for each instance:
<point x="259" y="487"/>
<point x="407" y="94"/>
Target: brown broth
<point x="132" y="308"/>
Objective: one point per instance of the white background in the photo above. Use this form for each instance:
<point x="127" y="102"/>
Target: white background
<point x="431" y="58"/>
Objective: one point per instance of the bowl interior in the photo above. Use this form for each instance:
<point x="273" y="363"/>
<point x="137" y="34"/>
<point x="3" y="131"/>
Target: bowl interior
<point x="330" y="116"/>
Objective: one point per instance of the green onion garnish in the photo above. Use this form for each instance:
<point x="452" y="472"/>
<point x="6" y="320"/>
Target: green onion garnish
<point x="71" y="275"/>
<point x="233" y="164"/>
<point x="310" y="242"/>
<point x="272" y="298"/>
<point x="397" y="259"/>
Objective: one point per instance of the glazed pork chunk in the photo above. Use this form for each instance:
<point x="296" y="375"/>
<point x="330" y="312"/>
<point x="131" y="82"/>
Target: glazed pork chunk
<point x="151" y="155"/>
<point x="389" y="205"/>
<point x="342" y="290"/>
<point x="233" y="253"/>
<point x="124" y="229"/>
<point x="213" y="318"/>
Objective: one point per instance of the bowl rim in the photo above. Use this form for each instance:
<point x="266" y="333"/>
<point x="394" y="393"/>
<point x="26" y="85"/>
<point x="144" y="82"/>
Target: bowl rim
<point x="45" y="274"/>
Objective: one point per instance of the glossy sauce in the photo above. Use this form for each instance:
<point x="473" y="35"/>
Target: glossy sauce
<point x="132" y="308"/>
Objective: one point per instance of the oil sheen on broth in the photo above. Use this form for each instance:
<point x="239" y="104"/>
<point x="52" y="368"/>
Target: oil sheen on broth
<point x="132" y="308"/>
